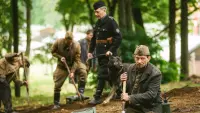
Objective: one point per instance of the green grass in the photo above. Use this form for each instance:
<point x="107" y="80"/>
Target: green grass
<point x="41" y="87"/>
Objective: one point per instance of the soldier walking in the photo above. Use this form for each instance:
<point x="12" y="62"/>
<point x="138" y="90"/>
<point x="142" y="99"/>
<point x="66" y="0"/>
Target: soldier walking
<point x="106" y="40"/>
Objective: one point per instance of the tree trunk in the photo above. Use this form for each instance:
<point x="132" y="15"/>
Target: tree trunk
<point x="111" y="7"/>
<point x="65" y="23"/>
<point x="128" y="7"/>
<point x="172" y="31"/>
<point x="90" y="13"/>
<point x="184" y="38"/>
<point x="28" y="27"/>
<point x="15" y="24"/>
<point x="137" y="17"/>
<point x="15" y="36"/>
<point x="122" y="16"/>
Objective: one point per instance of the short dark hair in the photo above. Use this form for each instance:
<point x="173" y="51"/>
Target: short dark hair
<point x="89" y="31"/>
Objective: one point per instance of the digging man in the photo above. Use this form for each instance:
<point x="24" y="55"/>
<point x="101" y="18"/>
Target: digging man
<point x="66" y="49"/>
<point x="9" y="66"/>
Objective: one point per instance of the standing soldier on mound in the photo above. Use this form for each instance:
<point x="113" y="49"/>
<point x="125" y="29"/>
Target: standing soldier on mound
<point x="66" y="49"/>
<point x="9" y="66"/>
<point x="106" y="40"/>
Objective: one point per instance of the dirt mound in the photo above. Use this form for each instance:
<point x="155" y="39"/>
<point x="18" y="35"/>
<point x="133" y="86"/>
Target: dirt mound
<point x="185" y="100"/>
<point x="195" y="79"/>
<point x="183" y="91"/>
<point x="113" y="107"/>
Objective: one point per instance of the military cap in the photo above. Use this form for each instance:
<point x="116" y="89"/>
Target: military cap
<point x="69" y="35"/>
<point x="142" y="50"/>
<point x="98" y="5"/>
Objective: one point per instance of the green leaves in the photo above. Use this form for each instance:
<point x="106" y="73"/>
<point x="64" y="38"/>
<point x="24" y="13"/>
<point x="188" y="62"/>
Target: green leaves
<point x="73" y="12"/>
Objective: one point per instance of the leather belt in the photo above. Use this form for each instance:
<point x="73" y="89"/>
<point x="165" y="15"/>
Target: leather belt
<point x="108" y="40"/>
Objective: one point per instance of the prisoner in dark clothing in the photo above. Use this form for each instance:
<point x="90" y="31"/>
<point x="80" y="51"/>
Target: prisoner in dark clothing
<point x="143" y="84"/>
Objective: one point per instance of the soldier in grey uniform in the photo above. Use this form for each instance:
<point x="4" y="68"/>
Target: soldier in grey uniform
<point x="66" y="49"/>
<point x="106" y="40"/>
<point x="143" y="84"/>
<point x="9" y="66"/>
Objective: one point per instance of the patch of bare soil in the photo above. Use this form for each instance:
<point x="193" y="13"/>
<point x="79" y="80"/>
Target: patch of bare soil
<point x="183" y="100"/>
<point x="194" y="79"/>
<point x="113" y="107"/>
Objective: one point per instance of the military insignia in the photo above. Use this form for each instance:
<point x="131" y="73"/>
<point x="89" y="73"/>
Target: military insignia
<point x="117" y="30"/>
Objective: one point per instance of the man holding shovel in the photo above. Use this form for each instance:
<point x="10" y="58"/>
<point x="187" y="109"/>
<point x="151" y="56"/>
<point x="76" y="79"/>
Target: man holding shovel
<point x="9" y="66"/>
<point x="143" y="84"/>
<point x="67" y="51"/>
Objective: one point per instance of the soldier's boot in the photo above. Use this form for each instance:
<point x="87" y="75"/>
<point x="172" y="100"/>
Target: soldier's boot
<point x="97" y="95"/>
<point x="56" y="101"/>
<point x="97" y="99"/>
<point x="81" y="89"/>
<point x="7" y="106"/>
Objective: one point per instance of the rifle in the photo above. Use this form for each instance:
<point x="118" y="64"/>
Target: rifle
<point x="66" y="66"/>
<point x="123" y="102"/>
<point x="25" y="78"/>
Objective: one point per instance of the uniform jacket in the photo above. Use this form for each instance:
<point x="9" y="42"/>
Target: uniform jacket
<point x="71" y="53"/>
<point x="106" y="28"/>
<point x="148" y="96"/>
<point x="84" y="43"/>
<point x="8" y="70"/>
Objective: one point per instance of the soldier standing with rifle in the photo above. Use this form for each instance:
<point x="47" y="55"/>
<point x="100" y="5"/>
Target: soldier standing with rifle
<point x="143" y="84"/>
<point x="67" y="50"/>
<point x="9" y="65"/>
<point x="106" y="40"/>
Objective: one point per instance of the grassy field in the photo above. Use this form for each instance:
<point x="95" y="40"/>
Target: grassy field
<point x="41" y="88"/>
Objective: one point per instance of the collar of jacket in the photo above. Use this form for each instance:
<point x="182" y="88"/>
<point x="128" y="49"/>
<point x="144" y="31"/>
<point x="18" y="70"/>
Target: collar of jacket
<point x="145" y="73"/>
<point x="102" y="21"/>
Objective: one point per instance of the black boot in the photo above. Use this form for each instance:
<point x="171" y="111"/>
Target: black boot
<point x="56" y="101"/>
<point x="98" y="93"/>
<point x="7" y="106"/>
<point x="81" y="89"/>
<point x="96" y="99"/>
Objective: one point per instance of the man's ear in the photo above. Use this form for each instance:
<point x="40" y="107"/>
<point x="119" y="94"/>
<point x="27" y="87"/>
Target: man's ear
<point x="149" y="58"/>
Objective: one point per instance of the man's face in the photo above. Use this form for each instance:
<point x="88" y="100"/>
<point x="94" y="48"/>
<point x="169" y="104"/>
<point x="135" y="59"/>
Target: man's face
<point x="141" y="61"/>
<point x="100" y="13"/>
<point x="68" y="40"/>
<point x="89" y="35"/>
